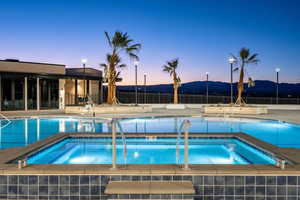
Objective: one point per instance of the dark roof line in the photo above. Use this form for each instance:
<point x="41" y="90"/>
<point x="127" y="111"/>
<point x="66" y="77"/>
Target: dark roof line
<point x="63" y="76"/>
<point x="82" y="68"/>
<point x="31" y="62"/>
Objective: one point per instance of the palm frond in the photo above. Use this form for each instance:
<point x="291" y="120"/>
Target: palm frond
<point x="253" y="59"/>
<point x="166" y="68"/>
<point x="133" y="56"/>
<point x="244" y="53"/>
<point x="236" y="69"/>
<point x="122" y="66"/>
<point x="103" y="65"/>
<point x="108" y="38"/>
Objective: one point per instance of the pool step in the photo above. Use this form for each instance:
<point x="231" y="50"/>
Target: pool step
<point x="150" y="187"/>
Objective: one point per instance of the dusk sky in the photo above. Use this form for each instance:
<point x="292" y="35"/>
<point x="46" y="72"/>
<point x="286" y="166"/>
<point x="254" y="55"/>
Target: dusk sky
<point x="201" y="33"/>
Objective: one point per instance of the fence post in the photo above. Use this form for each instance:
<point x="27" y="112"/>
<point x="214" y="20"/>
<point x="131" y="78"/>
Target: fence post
<point x="159" y="97"/>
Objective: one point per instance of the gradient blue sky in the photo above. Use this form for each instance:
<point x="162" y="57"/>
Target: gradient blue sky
<point x="201" y="33"/>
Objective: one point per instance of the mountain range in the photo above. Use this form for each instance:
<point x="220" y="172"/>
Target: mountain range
<point x="262" y="88"/>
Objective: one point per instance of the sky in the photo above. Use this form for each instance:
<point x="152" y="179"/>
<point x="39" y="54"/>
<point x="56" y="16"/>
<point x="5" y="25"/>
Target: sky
<point x="201" y="33"/>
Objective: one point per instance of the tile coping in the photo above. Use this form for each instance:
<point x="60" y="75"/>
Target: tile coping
<point x="13" y="154"/>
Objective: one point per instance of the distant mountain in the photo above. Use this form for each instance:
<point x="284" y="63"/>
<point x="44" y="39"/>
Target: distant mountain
<point x="261" y="89"/>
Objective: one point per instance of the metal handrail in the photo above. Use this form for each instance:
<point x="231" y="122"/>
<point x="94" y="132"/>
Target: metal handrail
<point x="184" y="126"/>
<point x="115" y="123"/>
<point x="9" y="121"/>
<point x="123" y="138"/>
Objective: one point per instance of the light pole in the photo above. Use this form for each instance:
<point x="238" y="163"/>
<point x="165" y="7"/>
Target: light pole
<point x="145" y="89"/>
<point x="136" y="95"/>
<point x="207" y="73"/>
<point x="231" y="60"/>
<point x="277" y="83"/>
<point x="84" y="61"/>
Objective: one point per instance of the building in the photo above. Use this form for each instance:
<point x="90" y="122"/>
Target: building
<point x="38" y="86"/>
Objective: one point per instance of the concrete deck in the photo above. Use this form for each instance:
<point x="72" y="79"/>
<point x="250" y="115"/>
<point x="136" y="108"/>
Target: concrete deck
<point x="9" y="155"/>
<point x="292" y="115"/>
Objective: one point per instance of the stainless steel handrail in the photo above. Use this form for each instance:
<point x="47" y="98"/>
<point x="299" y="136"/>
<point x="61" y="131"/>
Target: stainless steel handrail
<point x="115" y="123"/>
<point x="184" y="126"/>
<point x="4" y="117"/>
<point x="123" y="139"/>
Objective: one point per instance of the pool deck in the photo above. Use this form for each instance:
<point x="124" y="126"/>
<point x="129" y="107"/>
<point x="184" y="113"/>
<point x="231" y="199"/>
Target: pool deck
<point x="293" y="154"/>
<point x="292" y="116"/>
<point x="8" y="155"/>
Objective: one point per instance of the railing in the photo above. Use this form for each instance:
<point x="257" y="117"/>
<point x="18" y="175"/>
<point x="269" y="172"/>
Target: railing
<point x="71" y="99"/>
<point x="123" y="139"/>
<point x="114" y="124"/>
<point x="185" y="125"/>
<point x="8" y="121"/>
<point x="165" y="98"/>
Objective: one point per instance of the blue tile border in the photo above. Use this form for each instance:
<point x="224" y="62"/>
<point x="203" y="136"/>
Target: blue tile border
<point x="93" y="186"/>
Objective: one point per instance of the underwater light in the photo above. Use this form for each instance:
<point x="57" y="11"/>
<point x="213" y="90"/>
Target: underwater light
<point x="136" y="154"/>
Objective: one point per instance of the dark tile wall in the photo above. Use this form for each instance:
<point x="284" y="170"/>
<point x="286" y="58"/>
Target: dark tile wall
<point x="207" y="187"/>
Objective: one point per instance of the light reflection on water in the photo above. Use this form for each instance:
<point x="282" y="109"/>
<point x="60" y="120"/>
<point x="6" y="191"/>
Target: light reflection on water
<point x="27" y="131"/>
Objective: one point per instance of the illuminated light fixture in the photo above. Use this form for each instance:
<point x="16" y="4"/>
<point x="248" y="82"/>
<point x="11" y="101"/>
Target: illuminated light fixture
<point x="136" y="62"/>
<point x="231" y="60"/>
<point x="277" y="69"/>
<point x="84" y="60"/>
<point x="136" y="154"/>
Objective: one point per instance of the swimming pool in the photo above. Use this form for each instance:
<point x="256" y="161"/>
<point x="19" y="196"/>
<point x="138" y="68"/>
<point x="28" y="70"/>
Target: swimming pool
<point x="151" y="151"/>
<point x="22" y="132"/>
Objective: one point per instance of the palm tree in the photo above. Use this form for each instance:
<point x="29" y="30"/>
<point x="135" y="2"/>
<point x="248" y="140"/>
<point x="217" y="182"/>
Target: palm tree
<point x="119" y="42"/>
<point x="171" y="67"/>
<point x="244" y="59"/>
<point x="115" y="75"/>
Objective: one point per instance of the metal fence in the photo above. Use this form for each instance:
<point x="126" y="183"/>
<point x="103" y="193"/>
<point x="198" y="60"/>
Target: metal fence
<point x="163" y="98"/>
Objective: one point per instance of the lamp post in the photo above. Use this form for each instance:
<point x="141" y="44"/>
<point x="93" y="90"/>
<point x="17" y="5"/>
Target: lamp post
<point x="145" y="89"/>
<point x="207" y="73"/>
<point x="136" y="95"/>
<point x="277" y="70"/>
<point x="231" y="60"/>
<point x="84" y="61"/>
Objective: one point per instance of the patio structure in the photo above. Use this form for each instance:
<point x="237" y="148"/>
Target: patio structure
<point x="40" y="86"/>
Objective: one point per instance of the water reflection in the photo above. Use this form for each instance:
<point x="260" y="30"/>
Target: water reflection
<point x="28" y="131"/>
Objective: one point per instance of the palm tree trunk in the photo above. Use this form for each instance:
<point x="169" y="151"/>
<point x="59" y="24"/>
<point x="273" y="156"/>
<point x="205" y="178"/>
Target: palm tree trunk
<point x="175" y="87"/>
<point x="175" y="95"/>
<point x="111" y="94"/>
<point x="240" y="100"/>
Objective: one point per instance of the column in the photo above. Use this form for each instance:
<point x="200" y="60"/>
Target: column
<point x="101" y="91"/>
<point x="38" y="93"/>
<point x="88" y="88"/>
<point x="13" y="91"/>
<point x="61" y="86"/>
<point x="0" y="92"/>
<point x="49" y="93"/>
<point x="26" y="93"/>
<point x="76" y="91"/>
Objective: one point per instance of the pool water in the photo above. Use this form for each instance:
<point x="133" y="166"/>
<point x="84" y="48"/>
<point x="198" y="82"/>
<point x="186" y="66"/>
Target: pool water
<point x="151" y="151"/>
<point x="27" y="131"/>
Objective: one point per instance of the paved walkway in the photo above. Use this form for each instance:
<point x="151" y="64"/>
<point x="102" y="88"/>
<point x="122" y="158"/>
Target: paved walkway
<point x="283" y="115"/>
